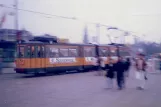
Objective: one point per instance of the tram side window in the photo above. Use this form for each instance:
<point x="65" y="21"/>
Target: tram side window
<point x="53" y="52"/>
<point x="43" y="51"/>
<point x="21" y="52"/>
<point x="73" y="52"/>
<point x="113" y="52"/>
<point x="64" y="52"/>
<point x="28" y="51"/>
<point x="89" y="52"/>
<point x="39" y="52"/>
<point x="124" y="53"/>
<point x="103" y="52"/>
<point x="32" y="51"/>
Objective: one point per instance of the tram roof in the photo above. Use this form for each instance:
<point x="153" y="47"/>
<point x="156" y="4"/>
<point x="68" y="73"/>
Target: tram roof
<point x="79" y="44"/>
<point x="42" y="43"/>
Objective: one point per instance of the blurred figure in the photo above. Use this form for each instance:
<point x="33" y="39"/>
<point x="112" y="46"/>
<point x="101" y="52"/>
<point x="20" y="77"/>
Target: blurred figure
<point x="141" y="71"/>
<point x="120" y="68"/>
<point x="127" y="66"/>
<point x="110" y="73"/>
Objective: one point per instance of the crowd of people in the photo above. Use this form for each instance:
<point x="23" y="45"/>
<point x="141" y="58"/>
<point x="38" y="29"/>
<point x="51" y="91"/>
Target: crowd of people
<point x="120" y="70"/>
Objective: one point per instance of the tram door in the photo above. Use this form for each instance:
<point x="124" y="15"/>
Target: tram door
<point x="37" y="56"/>
<point x="40" y="63"/>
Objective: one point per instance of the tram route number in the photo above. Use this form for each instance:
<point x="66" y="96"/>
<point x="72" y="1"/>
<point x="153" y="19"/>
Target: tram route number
<point x="21" y="62"/>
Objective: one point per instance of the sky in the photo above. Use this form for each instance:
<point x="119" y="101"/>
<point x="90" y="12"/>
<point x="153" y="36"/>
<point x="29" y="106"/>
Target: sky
<point x="140" y="16"/>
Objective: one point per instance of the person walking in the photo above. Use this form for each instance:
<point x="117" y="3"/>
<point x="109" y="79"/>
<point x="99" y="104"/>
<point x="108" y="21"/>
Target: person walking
<point x="110" y="73"/>
<point x="120" y="68"/>
<point x="141" y="72"/>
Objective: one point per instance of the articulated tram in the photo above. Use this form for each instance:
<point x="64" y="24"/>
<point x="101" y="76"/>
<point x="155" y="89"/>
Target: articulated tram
<point x="38" y="57"/>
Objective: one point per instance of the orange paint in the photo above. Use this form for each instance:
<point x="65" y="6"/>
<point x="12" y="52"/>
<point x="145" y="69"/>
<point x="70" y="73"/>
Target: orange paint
<point x="44" y="63"/>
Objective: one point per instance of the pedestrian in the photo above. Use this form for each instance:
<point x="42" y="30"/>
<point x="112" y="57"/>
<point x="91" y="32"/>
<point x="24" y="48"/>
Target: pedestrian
<point x="141" y="71"/>
<point x="120" y="68"/>
<point x="127" y="66"/>
<point x="110" y="73"/>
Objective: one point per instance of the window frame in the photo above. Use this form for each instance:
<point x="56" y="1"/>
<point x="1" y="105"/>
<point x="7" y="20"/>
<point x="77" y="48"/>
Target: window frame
<point x="101" y="51"/>
<point x="69" y="52"/>
<point x="43" y="55"/>
<point x="93" y="54"/>
<point x="60" y="55"/>
<point x="18" y="53"/>
<point x="28" y="55"/>
<point x="113" y="49"/>
<point x="38" y="51"/>
<point x="50" y="52"/>
<point x="35" y="53"/>
<point x="124" y="52"/>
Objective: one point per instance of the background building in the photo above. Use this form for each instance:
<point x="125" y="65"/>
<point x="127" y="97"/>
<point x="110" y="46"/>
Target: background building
<point x="8" y="40"/>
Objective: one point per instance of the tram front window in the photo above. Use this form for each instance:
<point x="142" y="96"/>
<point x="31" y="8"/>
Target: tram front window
<point x="21" y="52"/>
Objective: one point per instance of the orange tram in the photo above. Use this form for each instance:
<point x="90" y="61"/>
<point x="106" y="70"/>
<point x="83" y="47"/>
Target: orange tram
<point x="38" y="57"/>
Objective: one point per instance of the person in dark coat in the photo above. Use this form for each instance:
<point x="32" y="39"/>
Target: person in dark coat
<point x="120" y="68"/>
<point x="110" y="73"/>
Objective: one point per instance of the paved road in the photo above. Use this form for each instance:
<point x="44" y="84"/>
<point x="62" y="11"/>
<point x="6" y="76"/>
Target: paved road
<point x="75" y="90"/>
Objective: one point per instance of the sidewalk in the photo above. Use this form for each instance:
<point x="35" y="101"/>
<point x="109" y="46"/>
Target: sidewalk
<point x="155" y="72"/>
<point x="8" y="65"/>
<point x="8" y="71"/>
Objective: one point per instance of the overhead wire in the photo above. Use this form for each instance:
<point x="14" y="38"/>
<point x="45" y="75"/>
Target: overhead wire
<point x="36" y="12"/>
